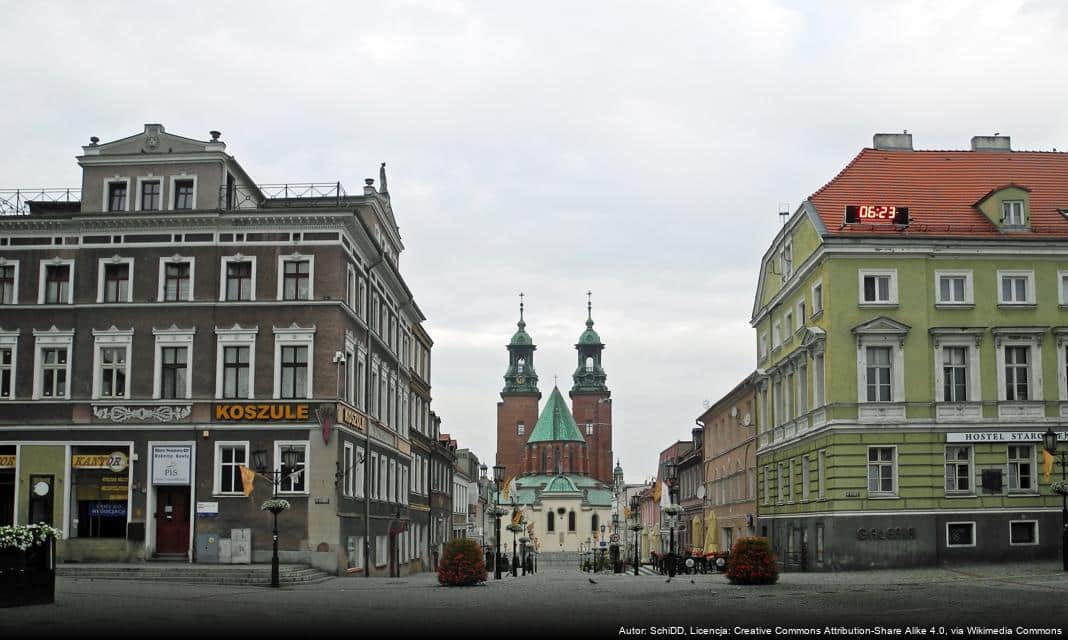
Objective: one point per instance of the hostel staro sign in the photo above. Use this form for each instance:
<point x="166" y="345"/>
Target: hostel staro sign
<point x="261" y="412"/>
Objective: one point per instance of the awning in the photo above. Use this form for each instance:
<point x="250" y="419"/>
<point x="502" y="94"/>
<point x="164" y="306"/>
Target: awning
<point x="695" y="537"/>
<point x="711" y="546"/>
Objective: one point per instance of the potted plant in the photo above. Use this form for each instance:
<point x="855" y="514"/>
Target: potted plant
<point x="752" y="562"/>
<point x="28" y="564"/>
<point x="1059" y="487"/>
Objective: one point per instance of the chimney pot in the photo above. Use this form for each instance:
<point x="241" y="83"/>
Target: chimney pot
<point x="892" y="141"/>
<point x="991" y="143"/>
<point x="94" y="140"/>
<point x="215" y="135"/>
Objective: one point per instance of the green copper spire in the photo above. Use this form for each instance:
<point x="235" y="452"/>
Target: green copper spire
<point x="521" y="377"/>
<point x="556" y="423"/>
<point x="589" y="376"/>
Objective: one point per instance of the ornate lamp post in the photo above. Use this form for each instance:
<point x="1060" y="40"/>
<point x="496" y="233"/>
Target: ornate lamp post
<point x="1049" y="441"/>
<point x="498" y="478"/>
<point x="515" y="529"/>
<point x="482" y="482"/>
<point x="290" y="458"/>
<point x="672" y="468"/>
<point x="635" y="505"/>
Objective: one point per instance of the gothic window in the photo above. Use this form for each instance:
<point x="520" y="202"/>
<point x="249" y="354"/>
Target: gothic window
<point x="551" y="524"/>
<point x="520" y="366"/>
<point x="594" y="523"/>
<point x="571" y="521"/>
<point x="589" y="364"/>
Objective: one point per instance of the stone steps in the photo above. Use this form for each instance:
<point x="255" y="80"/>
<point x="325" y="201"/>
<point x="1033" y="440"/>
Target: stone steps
<point x="209" y="574"/>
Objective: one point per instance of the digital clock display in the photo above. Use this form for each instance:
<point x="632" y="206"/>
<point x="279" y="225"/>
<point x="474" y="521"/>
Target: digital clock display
<point x="875" y="213"/>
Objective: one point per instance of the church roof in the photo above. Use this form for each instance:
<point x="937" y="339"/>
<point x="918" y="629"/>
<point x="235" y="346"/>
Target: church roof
<point x="556" y="423"/>
<point x="561" y="484"/>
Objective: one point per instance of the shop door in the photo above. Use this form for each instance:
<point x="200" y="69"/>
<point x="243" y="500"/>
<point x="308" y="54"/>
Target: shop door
<point x="172" y="519"/>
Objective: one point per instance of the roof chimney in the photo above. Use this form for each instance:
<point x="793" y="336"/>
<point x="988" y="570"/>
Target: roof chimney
<point x="893" y="141"/>
<point x="991" y="143"/>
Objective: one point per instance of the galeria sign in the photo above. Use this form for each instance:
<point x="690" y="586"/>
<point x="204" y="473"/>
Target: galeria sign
<point x="261" y="412"/>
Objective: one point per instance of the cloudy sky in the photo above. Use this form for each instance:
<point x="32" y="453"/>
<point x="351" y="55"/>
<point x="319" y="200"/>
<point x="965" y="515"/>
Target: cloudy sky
<point x="639" y="150"/>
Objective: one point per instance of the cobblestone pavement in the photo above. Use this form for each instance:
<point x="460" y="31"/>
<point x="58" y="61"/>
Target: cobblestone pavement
<point x="1029" y="595"/>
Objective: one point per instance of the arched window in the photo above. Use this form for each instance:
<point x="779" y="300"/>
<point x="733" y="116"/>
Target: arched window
<point x="551" y="525"/>
<point x="589" y="363"/>
<point x="521" y="365"/>
<point x="571" y="521"/>
<point x="594" y="521"/>
<point x="543" y="470"/>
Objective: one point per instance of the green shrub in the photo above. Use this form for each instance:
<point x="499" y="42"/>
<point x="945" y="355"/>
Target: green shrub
<point x="751" y="562"/>
<point x="462" y="564"/>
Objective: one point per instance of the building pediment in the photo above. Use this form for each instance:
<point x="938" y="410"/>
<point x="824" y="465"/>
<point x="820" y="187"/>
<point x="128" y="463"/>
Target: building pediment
<point x="881" y="326"/>
<point x="154" y="139"/>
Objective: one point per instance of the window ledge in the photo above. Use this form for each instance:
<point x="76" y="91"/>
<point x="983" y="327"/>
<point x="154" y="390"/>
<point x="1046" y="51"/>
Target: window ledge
<point x="883" y="497"/>
<point x="1022" y="494"/>
<point x="227" y="495"/>
<point x="1021" y="306"/>
<point x="954" y="305"/>
<point x="958" y="496"/>
<point x="877" y="305"/>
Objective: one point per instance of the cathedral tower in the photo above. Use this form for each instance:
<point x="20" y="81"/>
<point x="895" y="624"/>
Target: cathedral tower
<point x="517" y="412"/>
<point x="591" y="402"/>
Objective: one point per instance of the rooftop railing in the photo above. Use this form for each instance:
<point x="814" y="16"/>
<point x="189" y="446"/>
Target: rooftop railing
<point x="288" y="194"/>
<point x="16" y="202"/>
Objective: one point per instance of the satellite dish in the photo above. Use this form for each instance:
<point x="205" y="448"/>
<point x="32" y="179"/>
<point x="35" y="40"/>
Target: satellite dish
<point x="701" y="492"/>
<point x="747" y="420"/>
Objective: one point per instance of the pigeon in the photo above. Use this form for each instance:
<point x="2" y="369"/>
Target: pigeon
<point x="668" y="580"/>
<point x="592" y="581"/>
<point x="692" y="582"/>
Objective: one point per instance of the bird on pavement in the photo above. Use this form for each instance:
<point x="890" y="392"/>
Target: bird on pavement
<point x="668" y="580"/>
<point x="692" y="582"/>
<point x="592" y="581"/>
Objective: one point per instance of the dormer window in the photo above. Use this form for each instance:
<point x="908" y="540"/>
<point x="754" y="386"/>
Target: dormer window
<point x="1012" y="213"/>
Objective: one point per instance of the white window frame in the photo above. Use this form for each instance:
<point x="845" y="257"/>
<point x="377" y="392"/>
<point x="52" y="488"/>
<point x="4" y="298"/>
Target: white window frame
<point x="174" y="192"/>
<point x="1062" y="284"/>
<point x="780" y="481"/>
<point x="817" y="309"/>
<point x="278" y="444"/>
<point x="819" y="379"/>
<point x="7" y="262"/>
<point x="348" y="466"/>
<point x="10" y="340"/>
<point x="894" y="466"/>
<point x="381" y="551"/>
<point x="296" y="257"/>
<point x="1032" y="461"/>
<point x="790" y="482"/>
<point x="374" y="476"/>
<point x="763" y="345"/>
<point x="1024" y="544"/>
<point x="805" y="472"/>
<point x="1034" y="374"/>
<point x="776" y="335"/>
<point x="51" y="339"/>
<point x="55" y="262"/>
<point x="237" y="257"/>
<point x="383" y="478"/>
<point x="821" y="474"/>
<point x="897" y="366"/>
<point x="1016" y="273"/>
<point x="962" y="546"/>
<point x="293" y="337"/>
<point x="102" y="263"/>
<point x="975" y="386"/>
<point x="767" y="484"/>
<point x="216" y="487"/>
<point x="799" y="314"/>
<point x="970" y="491"/>
<point x="106" y="200"/>
<point x="359" y="481"/>
<point x="788" y="327"/>
<point x="173" y="337"/>
<point x="1008" y="207"/>
<point x="177" y="259"/>
<point x="969" y="290"/>
<point x="892" y="299"/>
<point x="141" y="180"/>
<point x="235" y="337"/>
<point x="111" y="339"/>
<point x="355" y="558"/>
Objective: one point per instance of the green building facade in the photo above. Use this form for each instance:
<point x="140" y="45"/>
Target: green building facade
<point x="912" y="347"/>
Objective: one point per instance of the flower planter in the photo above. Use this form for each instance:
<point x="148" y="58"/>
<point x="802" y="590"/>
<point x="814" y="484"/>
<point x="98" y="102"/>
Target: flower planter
<point x="28" y="576"/>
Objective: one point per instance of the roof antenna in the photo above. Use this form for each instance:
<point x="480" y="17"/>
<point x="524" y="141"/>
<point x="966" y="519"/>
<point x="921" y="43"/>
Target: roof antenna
<point x="784" y="212"/>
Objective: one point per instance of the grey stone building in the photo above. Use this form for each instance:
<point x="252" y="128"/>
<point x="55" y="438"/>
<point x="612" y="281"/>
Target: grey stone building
<point x="172" y="322"/>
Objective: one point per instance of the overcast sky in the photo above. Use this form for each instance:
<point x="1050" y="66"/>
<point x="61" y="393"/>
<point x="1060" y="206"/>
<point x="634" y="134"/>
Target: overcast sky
<point x="638" y="150"/>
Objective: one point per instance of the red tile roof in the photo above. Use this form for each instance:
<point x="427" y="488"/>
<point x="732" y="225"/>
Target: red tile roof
<point x="941" y="189"/>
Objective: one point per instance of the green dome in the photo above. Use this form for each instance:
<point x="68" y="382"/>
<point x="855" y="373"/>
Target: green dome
<point x="521" y="337"/>
<point x="589" y="336"/>
<point x="561" y="484"/>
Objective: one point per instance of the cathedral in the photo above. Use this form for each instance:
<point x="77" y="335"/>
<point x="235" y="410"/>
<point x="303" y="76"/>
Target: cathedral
<point x="558" y="461"/>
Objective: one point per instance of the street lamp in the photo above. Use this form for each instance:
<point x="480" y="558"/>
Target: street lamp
<point x="635" y="505"/>
<point x="482" y="482"/>
<point x="515" y="529"/>
<point x="498" y="478"/>
<point x="1049" y="441"/>
<point x="290" y="459"/>
<point x="672" y="468"/>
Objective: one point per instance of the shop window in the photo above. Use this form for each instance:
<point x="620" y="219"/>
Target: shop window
<point x="100" y="480"/>
<point x="355" y="549"/>
<point x="960" y="534"/>
<point x="7" y="485"/>
<point x="819" y="542"/>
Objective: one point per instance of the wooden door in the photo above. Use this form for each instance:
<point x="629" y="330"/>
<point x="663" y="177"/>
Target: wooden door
<point x="172" y="519"/>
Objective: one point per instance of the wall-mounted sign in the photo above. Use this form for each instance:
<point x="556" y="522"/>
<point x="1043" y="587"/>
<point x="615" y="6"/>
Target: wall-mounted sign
<point x="171" y="464"/>
<point x="207" y="509"/>
<point x="892" y="533"/>
<point x="261" y="412"/>
<point x="875" y="213"/>
<point x="350" y="417"/>
<point x="7" y="462"/>
<point x="107" y="509"/>
<point x="1002" y="436"/>
<point x="116" y="461"/>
